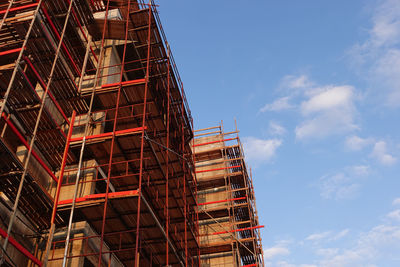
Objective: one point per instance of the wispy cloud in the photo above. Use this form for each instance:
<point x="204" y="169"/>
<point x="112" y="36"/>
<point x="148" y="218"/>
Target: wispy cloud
<point x="379" y="148"/>
<point x="275" y="128"/>
<point x="378" y="56"/>
<point x="260" y="150"/>
<point x="370" y="248"/>
<point x="279" y="249"/>
<point x="380" y="153"/>
<point x="381" y="241"/>
<point x="327" y="236"/>
<point x="338" y="186"/>
<point x="278" y="105"/>
<point x="396" y="201"/>
<point x="361" y="170"/>
<point x="357" y="143"/>
<point x="318" y="236"/>
<point x="343" y="184"/>
<point x="291" y="85"/>
<point x="327" y="252"/>
<point x="326" y="109"/>
<point x="395" y="215"/>
<point x="296" y="82"/>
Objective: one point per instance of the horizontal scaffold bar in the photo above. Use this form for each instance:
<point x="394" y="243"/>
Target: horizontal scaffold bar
<point x="218" y="169"/>
<point x="213" y="142"/>
<point x="11" y="51"/>
<point x="221" y="201"/>
<point x="209" y="128"/>
<point x="20" y="248"/>
<point x="122" y="194"/>
<point x="18" y="8"/>
<point x="239" y="230"/>
<point x="131" y="82"/>
<point x="110" y="134"/>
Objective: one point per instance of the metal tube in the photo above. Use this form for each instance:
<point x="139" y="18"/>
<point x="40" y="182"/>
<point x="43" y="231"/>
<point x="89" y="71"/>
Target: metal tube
<point x="113" y="136"/>
<point x="20" y="248"/>
<point x="196" y="199"/>
<point x="167" y="158"/>
<point x="143" y="135"/>
<point x="42" y="83"/>
<point x="13" y="215"/>
<point x="84" y="139"/>
<point x="69" y="139"/>
<point x="53" y="27"/>
<point x="184" y="177"/>
<point x="6" y="14"/>
<point x="18" y="61"/>
<point x="58" y="190"/>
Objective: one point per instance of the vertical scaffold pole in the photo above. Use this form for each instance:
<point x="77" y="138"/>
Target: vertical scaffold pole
<point x="142" y="138"/>
<point x="167" y="159"/>
<point x="113" y="136"/>
<point x="50" y="239"/>
<point x="60" y="179"/>
<point x="184" y="172"/>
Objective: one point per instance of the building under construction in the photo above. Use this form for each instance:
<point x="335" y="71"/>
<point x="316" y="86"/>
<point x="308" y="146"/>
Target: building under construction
<point x="99" y="164"/>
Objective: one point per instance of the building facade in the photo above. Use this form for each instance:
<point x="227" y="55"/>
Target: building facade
<point x="96" y="139"/>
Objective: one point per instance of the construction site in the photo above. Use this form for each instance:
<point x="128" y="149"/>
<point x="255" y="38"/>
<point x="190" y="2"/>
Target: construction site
<point x="100" y="164"/>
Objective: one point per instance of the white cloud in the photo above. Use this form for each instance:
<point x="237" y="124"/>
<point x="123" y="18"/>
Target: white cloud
<point x="296" y="82"/>
<point x="289" y="82"/>
<point x="275" y="251"/>
<point x="326" y="124"/>
<point x="357" y="143"/>
<point x="329" y="110"/>
<point x="396" y="201"/>
<point x="278" y="105"/>
<point x="327" y="252"/>
<point x="276" y="129"/>
<point x="341" y="234"/>
<point x="394" y="215"/>
<point x="361" y="170"/>
<point x="318" y="236"/>
<point x="337" y="186"/>
<point x="387" y="73"/>
<point x="330" y="98"/>
<point x="327" y="236"/>
<point x="260" y="150"/>
<point x="279" y="249"/>
<point x="380" y="153"/>
<point x="386" y="24"/>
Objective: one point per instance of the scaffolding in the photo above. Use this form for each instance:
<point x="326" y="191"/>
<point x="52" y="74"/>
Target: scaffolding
<point x="96" y="165"/>
<point x="229" y="230"/>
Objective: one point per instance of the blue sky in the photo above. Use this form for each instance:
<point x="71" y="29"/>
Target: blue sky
<point x="315" y="88"/>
